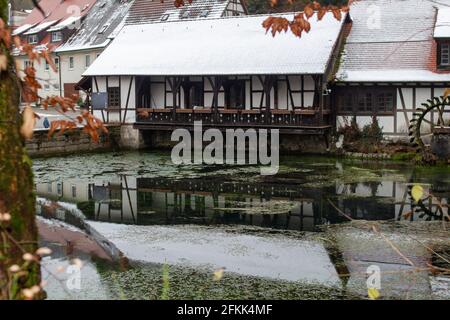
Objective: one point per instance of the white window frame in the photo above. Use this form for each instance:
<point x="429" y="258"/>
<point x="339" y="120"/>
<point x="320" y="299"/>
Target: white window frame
<point x="71" y="63"/>
<point x="57" y="36"/>
<point x="28" y="63"/>
<point x="56" y="61"/>
<point x="32" y="39"/>
<point x="445" y="47"/>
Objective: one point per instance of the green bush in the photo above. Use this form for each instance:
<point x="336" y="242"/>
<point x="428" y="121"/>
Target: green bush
<point x="350" y="131"/>
<point x="372" y="132"/>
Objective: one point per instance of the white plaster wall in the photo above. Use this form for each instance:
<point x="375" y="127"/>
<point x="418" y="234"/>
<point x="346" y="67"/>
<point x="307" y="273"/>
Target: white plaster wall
<point x="47" y="77"/>
<point x="157" y="99"/>
<point x="283" y="96"/>
<point x="422" y="95"/>
<point x="296" y="82"/>
<point x="309" y="99"/>
<point x="74" y="75"/>
<point x="125" y="88"/>
<point x="125" y="85"/>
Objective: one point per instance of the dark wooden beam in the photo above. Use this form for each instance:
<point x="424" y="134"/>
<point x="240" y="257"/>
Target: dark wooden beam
<point x="128" y="99"/>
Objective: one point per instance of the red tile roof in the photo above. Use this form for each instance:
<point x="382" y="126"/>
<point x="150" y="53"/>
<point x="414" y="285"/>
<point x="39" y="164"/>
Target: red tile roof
<point x="58" y="9"/>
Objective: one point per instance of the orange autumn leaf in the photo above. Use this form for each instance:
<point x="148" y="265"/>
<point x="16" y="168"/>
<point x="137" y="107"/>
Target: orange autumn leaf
<point x="309" y="11"/>
<point x="337" y="13"/>
<point x="321" y="13"/>
<point x="28" y="123"/>
<point x="316" y="6"/>
<point x="3" y="62"/>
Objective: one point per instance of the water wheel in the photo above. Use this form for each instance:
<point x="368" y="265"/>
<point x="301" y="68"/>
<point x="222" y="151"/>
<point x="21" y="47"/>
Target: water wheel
<point x="437" y="139"/>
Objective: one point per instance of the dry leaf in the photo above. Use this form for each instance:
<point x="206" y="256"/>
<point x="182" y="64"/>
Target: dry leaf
<point x="446" y="92"/>
<point x="373" y="293"/>
<point x="407" y="215"/>
<point x="309" y="11"/>
<point x="417" y="192"/>
<point x="218" y="274"/>
<point x="3" y="62"/>
<point x="28" y="123"/>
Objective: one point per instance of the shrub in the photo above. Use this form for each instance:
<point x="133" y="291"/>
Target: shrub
<point x="350" y="131"/>
<point x="372" y="132"/>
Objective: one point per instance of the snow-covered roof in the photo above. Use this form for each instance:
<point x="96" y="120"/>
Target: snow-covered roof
<point x="23" y="28"/>
<point x="442" y="26"/>
<point x="64" y="23"/>
<point x="198" y="9"/>
<point x="105" y="19"/>
<point x="394" y="75"/>
<point x="225" y="46"/>
<point x="41" y="27"/>
<point x="145" y="11"/>
<point x="392" y="40"/>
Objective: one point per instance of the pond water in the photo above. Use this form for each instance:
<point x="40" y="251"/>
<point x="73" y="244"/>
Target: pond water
<point x="193" y="220"/>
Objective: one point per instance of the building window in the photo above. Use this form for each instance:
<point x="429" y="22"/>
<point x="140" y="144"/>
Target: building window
<point x="32" y="39"/>
<point x="28" y="64"/>
<point x="47" y="66"/>
<point x="444" y="54"/>
<point x="114" y="97"/>
<point x="71" y="63"/>
<point x="235" y="94"/>
<point x="357" y="100"/>
<point x="385" y="101"/>
<point x="46" y="87"/>
<point x="364" y="102"/>
<point x="56" y="63"/>
<point x="59" y="190"/>
<point x="56" y="36"/>
<point x="74" y="191"/>
<point x="103" y="28"/>
<point x="87" y="61"/>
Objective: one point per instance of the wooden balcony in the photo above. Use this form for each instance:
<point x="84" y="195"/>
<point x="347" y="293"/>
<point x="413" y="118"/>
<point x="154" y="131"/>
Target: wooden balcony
<point x="288" y="121"/>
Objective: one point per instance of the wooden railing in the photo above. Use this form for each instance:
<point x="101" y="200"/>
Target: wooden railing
<point x="235" y="117"/>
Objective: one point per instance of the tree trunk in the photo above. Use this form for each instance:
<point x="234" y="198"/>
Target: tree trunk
<point x="17" y="198"/>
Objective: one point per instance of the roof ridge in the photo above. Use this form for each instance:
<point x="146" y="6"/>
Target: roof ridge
<point x="381" y="42"/>
<point x="223" y="17"/>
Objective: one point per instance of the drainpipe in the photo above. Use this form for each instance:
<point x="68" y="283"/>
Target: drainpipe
<point x="59" y="74"/>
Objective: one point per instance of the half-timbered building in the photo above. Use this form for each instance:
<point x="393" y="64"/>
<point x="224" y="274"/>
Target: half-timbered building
<point x="376" y="62"/>
<point x="107" y="18"/>
<point x="396" y="57"/>
<point x="225" y="72"/>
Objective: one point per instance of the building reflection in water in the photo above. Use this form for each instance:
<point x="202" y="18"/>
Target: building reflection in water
<point x="148" y="201"/>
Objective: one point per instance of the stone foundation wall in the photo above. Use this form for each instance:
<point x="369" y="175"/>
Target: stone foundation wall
<point x="131" y="138"/>
<point x="289" y="143"/>
<point x="71" y="142"/>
